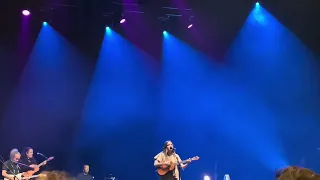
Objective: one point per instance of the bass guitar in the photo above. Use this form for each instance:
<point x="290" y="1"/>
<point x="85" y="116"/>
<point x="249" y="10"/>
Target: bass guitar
<point x="19" y="176"/>
<point x="162" y="170"/>
<point x="31" y="172"/>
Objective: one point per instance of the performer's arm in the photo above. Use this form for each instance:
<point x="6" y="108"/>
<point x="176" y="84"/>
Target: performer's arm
<point x="158" y="161"/>
<point x="5" y="174"/>
<point x="183" y="166"/>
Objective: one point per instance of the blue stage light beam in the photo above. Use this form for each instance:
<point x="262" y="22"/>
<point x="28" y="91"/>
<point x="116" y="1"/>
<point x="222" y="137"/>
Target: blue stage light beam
<point x="276" y="70"/>
<point x="120" y="105"/>
<point x="50" y="92"/>
<point x="188" y="79"/>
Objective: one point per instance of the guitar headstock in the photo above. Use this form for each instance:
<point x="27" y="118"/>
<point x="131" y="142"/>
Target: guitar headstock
<point x="50" y="158"/>
<point x="196" y="158"/>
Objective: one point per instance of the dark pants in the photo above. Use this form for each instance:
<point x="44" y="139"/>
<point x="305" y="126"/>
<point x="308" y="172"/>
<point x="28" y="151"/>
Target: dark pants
<point x="168" y="176"/>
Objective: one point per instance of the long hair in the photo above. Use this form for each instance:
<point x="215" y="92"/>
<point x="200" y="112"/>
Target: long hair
<point x="13" y="152"/>
<point x="165" y="146"/>
<point x="25" y="151"/>
<point x="54" y="175"/>
<point x="296" y="173"/>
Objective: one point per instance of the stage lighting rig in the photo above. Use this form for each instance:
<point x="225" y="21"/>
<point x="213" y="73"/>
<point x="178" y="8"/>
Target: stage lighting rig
<point x="123" y="11"/>
<point x="171" y="14"/>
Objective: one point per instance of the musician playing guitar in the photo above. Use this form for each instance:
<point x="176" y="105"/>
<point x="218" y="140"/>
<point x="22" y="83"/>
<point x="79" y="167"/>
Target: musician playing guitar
<point x="167" y="162"/>
<point x="28" y="159"/>
<point x="30" y="165"/>
<point x="10" y="168"/>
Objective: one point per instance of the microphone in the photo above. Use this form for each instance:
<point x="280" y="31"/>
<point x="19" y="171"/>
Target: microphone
<point x="21" y="164"/>
<point x="42" y="155"/>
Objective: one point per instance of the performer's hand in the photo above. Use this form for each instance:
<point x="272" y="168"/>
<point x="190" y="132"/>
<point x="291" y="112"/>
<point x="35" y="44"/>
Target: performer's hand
<point x="189" y="160"/>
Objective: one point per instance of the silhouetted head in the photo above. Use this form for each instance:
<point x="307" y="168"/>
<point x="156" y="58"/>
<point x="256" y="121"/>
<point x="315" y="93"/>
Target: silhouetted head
<point x="54" y="175"/>
<point x="27" y="153"/>
<point x="296" y="173"/>
<point x="15" y="155"/>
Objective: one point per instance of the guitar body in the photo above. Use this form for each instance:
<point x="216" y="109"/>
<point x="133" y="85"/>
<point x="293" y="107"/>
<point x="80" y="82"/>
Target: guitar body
<point x="31" y="172"/>
<point x="163" y="170"/>
<point x="19" y="176"/>
<point x="36" y="167"/>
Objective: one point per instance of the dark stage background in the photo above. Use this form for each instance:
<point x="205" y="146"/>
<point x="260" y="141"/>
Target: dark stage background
<point x="240" y="88"/>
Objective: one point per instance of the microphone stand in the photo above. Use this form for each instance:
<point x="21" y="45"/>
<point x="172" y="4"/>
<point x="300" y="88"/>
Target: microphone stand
<point x="3" y="162"/>
<point x="42" y="155"/>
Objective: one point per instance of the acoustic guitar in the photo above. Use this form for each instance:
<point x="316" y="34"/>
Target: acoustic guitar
<point x="31" y="172"/>
<point x="162" y="170"/>
<point x="19" y="176"/>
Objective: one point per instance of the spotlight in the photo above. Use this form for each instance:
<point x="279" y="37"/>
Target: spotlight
<point x="226" y="177"/>
<point x="108" y="30"/>
<point x="26" y="12"/>
<point x="206" y="177"/>
<point x="190" y="22"/>
<point x="257" y="3"/>
<point x="164" y="32"/>
<point x="122" y="21"/>
<point x="45" y="23"/>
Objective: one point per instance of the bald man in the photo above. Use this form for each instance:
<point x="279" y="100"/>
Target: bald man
<point x="85" y="174"/>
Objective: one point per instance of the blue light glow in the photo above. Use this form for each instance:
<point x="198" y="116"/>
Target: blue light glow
<point x="188" y="98"/>
<point x="262" y="47"/>
<point x="47" y="86"/>
<point x="120" y="98"/>
<point x="108" y="31"/>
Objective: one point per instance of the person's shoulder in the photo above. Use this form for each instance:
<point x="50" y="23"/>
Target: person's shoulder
<point x="80" y="174"/>
<point x="158" y="155"/>
<point x="7" y="162"/>
<point x="177" y="154"/>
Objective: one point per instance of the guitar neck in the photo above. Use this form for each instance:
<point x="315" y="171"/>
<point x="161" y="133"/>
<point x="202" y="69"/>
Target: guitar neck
<point x="41" y="164"/>
<point x="47" y="160"/>
<point x="34" y="176"/>
<point x="19" y="177"/>
<point x="192" y="159"/>
<point x="184" y="161"/>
